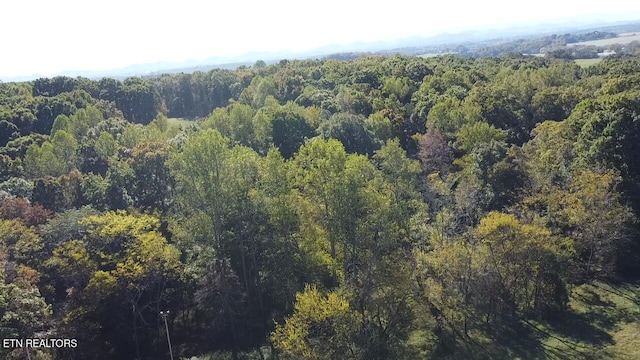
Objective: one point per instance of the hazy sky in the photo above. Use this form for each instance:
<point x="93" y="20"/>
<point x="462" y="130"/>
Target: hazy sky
<point x="46" y="37"/>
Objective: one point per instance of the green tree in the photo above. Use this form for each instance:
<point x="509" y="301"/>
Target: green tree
<point x="290" y="130"/>
<point x="470" y="136"/>
<point x="606" y="132"/>
<point x="23" y="312"/>
<point x="380" y="126"/>
<point x="161" y="122"/>
<point x="318" y="172"/>
<point x="65" y="147"/>
<point x="199" y="169"/>
<point x="152" y="182"/>
<point x="7" y="132"/>
<point x="138" y="100"/>
<point x="450" y="114"/>
<point x="351" y="131"/>
<point x="105" y="146"/>
<point x="119" y="185"/>
<point x="40" y="161"/>
<point x="219" y="225"/>
<point x="59" y="193"/>
<point x="62" y="122"/>
<point x="131" y="135"/>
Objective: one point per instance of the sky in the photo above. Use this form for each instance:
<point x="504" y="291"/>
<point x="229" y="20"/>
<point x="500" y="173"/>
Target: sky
<point x="46" y="37"/>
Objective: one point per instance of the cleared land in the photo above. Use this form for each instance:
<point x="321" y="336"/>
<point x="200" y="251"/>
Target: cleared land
<point x="180" y="122"/>
<point x="587" y="62"/>
<point x="622" y="39"/>
<point x="430" y="55"/>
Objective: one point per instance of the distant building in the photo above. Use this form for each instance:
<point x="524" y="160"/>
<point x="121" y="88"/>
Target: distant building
<point x="607" y="53"/>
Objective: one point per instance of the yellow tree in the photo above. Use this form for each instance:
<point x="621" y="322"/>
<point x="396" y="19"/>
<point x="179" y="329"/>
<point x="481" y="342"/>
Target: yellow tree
<point x="589" y="209"/>
<point x="321" y="327"/>
<point x="119" y="276"/>
<point x="501" y="269"/>
<point x="525" y="260"/>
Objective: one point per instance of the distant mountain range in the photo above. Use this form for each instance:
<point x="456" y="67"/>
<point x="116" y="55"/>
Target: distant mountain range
<point x="408" y="46"/>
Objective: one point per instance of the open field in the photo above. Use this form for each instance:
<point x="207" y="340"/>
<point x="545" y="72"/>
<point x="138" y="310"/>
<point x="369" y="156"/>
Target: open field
<point x="430" y="55"/>
<point x="587" y="62"/>
<point x="180" y="122"/>
<point x="622" y="39"/>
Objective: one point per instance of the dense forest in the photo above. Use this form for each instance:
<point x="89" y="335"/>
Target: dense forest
<point x="387" y="207"/>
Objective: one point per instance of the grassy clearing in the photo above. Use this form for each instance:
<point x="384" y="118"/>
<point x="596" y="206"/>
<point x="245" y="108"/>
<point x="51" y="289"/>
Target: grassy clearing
<point x="180" y="122"/>
<point x="627" y="38"/>
<point x="430" y="55"/>
<point x="603" y="322"/>
<point x="177" y="125"/>
<point x="587" y="62"/>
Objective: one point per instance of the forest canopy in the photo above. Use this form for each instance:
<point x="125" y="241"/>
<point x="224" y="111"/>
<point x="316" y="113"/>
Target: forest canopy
<point x="387" y="207"/>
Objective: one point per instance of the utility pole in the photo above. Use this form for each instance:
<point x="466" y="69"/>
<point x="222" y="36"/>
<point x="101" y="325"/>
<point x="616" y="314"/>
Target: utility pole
<point x="164" y="315"/>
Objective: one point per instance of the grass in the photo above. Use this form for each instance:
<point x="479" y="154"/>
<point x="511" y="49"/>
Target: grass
<point x="430" y="55"/>
<point x="225" y="355"/>
<point x="626" y="339"/>
<point x="603" y="322"/>
<point x="180" y="122"/>
<point x="587" y="62"/>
